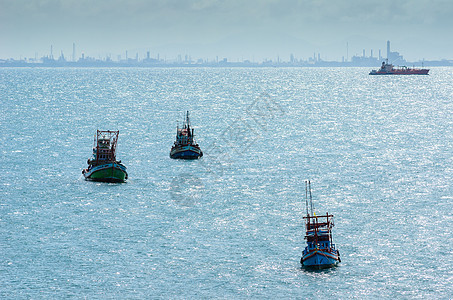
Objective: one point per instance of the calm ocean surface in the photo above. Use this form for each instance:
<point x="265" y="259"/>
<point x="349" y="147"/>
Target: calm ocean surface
<point x="378" y="150"/>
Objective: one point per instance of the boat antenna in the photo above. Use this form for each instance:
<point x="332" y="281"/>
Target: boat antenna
<point x="306" y="196"/>
<point x="311" y="199"/>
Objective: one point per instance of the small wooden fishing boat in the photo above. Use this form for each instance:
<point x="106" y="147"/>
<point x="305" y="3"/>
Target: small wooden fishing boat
<point x="320" y="251"/>
<point x="103" y="166"/>
<point x="185" y="146"/>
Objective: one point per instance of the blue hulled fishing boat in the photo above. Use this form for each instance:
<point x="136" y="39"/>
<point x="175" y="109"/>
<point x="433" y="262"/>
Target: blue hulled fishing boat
<point x="320" y="251"/>
<point x="185" y="146"/>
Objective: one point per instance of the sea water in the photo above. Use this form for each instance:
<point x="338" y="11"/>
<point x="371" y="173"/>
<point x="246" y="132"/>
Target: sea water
<point x="377" y="149"/>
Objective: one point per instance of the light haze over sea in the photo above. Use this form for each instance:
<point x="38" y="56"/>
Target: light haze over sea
<point x="378" y="150"/>
<point x="237" y="30"/>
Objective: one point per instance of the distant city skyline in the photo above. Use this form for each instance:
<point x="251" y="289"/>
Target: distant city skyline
<point x="364" y="60"/>
<point x="252" y="30"/>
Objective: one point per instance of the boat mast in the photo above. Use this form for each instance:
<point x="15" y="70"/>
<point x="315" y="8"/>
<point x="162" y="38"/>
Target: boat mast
<point x="311" y="199"/>
<point x="188" y="126"/>
<point x="98" y="133"/>
<point x="306" y="196"/>
<point x="329" y="226"/>
<point x="114" y="143"/>
<point x="315" y="219"/>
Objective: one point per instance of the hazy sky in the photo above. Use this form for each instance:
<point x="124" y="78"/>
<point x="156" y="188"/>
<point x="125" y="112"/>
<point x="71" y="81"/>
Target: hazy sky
<point x="249" y="29"/>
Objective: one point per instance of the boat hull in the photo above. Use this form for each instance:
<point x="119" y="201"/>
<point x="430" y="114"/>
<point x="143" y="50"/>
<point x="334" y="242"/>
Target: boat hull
<point x="111" y="172"/>
<point x="319" y="259"/>
<point x="186" y="152"/>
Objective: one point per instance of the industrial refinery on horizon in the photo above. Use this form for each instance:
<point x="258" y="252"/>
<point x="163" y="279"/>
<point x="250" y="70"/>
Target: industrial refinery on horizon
<point x="393" y="57"/>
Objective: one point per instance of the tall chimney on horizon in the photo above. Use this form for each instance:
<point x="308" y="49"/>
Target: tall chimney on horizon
<point x="347" y="51"/>
<point x="388" y="49"/>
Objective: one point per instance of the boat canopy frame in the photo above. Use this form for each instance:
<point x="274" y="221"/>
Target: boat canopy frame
<point x="109" y="154"/>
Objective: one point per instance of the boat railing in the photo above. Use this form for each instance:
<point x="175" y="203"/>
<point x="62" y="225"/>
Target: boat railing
<point x="318" y="226"/>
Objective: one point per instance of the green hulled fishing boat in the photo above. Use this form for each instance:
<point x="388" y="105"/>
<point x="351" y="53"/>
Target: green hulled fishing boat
<point x="103" y="166"/>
